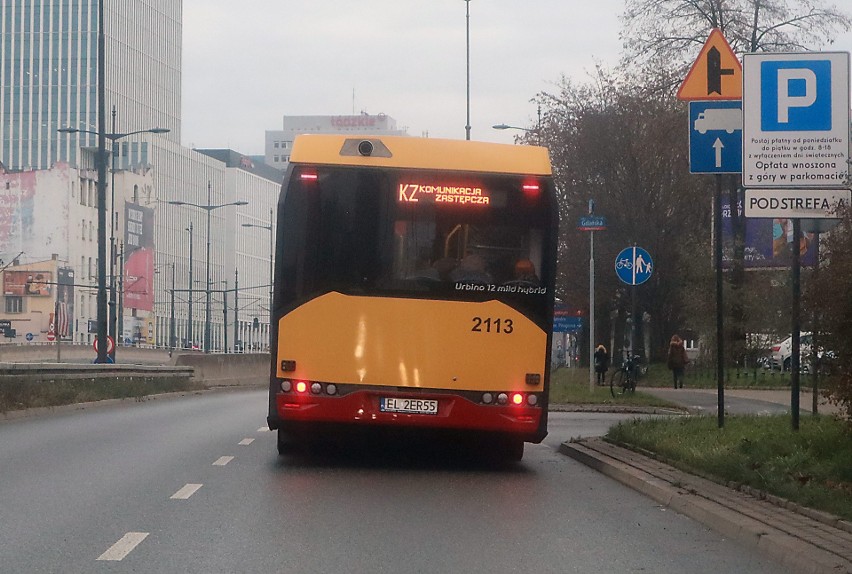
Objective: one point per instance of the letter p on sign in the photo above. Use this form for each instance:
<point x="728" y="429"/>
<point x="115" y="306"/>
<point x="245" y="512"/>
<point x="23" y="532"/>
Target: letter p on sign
<point x="795" y="95"/>
<point x="786" y="100"/>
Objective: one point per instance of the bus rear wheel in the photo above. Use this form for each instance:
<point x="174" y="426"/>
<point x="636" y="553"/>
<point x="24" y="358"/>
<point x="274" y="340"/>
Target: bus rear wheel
<point x="511" y="449"/>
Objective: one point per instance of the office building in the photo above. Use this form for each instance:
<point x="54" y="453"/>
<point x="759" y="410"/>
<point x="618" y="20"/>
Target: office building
<point x="279" y="142"/>
<point x="48" y="65"/>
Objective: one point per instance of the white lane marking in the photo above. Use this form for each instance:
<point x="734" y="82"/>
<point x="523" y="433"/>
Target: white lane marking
<point x="185" y="492"/>
<point x="124" y="546"/>
<point x="223" y="460"/>
<point x="263" y="429"/>
<point x="246" y="441"/>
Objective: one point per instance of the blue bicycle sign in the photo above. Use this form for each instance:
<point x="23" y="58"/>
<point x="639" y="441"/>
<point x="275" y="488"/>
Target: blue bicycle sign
<point x="634" y="265"/>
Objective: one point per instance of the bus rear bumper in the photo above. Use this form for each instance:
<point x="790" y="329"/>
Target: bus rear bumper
<point x="364" y="408"/>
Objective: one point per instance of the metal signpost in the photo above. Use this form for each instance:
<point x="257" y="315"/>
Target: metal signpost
<point x="713" y="87"/>
<point x="795" y="152"/>
<point x="592" y="223"/>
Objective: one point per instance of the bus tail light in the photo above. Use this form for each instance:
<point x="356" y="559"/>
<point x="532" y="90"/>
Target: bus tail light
<point x="301" y="387"/>
<point x="531" y="190"/>
<point x="511" y="398"/>
<point x="286" y="385"/>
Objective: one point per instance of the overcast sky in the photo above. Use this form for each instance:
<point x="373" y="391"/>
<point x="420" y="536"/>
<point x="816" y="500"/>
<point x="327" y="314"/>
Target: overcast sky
<point x="248" y="64"/>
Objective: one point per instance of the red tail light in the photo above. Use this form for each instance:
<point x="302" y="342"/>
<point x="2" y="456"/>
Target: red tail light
<point x="308" y="176"/>
<point x="531" y="190"/>
<point x="517" y="399"/>
<point x="301" y="387"/>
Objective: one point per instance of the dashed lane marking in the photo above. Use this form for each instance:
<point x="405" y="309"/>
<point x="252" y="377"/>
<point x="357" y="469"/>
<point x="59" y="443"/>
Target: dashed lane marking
<point x="123" y="547"/>
<point x="185" y="492"/>
<point x="246" y="441"/>
<point x="263" y="429"/>
<point x="223" y="460"/>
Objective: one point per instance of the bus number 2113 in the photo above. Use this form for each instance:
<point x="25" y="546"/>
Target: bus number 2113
<point x="489" y="325"/>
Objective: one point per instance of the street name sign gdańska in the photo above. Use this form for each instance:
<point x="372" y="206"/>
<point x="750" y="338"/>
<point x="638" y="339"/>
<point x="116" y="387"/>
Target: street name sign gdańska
<point x="795" y="120"/>
<point x="633" y="265"/>
<point x="592" y="223"/>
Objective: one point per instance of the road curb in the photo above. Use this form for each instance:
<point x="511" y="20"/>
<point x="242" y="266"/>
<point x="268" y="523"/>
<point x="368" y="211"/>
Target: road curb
<point x="683" y="496"/>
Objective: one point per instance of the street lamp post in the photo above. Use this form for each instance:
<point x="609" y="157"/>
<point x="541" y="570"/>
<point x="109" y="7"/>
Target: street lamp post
<point x="467" y="42"/>
<point x="536" y="130"/>
<point x="172" y="312"/>
<point x="271" y="256"/>
<point x="112" y="137"/>
<point x="189" y="326"/>
<point x="208" y="208"/>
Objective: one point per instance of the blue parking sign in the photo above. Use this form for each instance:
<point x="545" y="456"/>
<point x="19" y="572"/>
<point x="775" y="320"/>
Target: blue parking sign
<point x="795" y="95"/>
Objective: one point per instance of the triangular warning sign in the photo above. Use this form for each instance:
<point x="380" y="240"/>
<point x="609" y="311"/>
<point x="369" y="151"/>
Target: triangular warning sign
<point x="716" y="74"/>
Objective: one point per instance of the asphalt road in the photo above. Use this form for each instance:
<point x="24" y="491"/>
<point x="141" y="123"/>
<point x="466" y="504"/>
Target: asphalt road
<point x="151" y="487"/>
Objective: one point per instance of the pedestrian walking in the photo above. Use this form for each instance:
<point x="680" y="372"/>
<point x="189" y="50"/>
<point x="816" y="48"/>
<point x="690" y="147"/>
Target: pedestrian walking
<point x="601" y="363"/>
<point x="677" y="360"/>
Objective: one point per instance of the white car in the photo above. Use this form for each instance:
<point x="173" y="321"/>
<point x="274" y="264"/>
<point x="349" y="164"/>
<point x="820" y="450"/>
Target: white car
<point x="782" y="353"/>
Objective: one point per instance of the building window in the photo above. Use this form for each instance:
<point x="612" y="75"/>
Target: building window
<point x="275" y="145"/>
<point x="14" y="304"/>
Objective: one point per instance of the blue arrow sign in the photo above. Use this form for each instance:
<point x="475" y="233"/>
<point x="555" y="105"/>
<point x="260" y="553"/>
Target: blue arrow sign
<point x="716" y="137"/>
<point x="633" y="265"/>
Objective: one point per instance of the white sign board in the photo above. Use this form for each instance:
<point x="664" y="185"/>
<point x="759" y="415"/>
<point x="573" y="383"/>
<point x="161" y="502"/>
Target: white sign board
<point x="795" y="120"/>
<point x="800" y="203"/>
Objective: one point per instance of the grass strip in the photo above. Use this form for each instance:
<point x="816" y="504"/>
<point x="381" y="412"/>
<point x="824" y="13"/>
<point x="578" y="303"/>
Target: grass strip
<point x="811" y="467"/>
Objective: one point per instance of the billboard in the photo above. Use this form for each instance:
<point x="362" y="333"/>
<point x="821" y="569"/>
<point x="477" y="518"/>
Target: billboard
<point x="29" y="283"/>
<point x="65" y="302"/>
<point x="138" y="257"/>
<point x="767" y="242"/>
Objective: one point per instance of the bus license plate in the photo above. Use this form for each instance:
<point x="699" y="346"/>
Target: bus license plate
<point x="411" y="406"/>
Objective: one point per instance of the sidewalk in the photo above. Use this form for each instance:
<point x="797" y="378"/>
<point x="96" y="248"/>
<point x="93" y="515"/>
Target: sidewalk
<point x="802" y="539"/>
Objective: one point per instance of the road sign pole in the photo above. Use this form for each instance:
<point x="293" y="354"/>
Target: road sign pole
<point x="795" y="316"/>
<point x="720" y="323"/>
<point x="592" y="311"/>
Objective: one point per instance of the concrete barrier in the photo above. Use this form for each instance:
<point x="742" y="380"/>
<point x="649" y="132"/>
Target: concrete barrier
<point x="239" y="370"/>
<point x="211" y="370"/>
<point x="74" y="353"/>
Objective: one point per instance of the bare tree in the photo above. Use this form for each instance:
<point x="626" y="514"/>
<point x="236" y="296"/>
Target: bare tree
<point x="629" y="154"/>
<point x="667" y="34"/>
<point x="661" y="39"/>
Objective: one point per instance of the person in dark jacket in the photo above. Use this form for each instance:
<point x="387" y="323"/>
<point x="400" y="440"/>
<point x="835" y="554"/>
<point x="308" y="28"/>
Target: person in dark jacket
<point x="677" y="360"/>
<point x="601" y="363"/>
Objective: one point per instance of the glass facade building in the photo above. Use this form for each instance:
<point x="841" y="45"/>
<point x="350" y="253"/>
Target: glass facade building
<point x="48" y="66"/>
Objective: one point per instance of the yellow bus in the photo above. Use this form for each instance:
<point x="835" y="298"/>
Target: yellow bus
<point x="413" y="288"/>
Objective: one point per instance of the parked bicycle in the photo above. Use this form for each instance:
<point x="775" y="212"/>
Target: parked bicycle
<point x="623" y="379"/>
